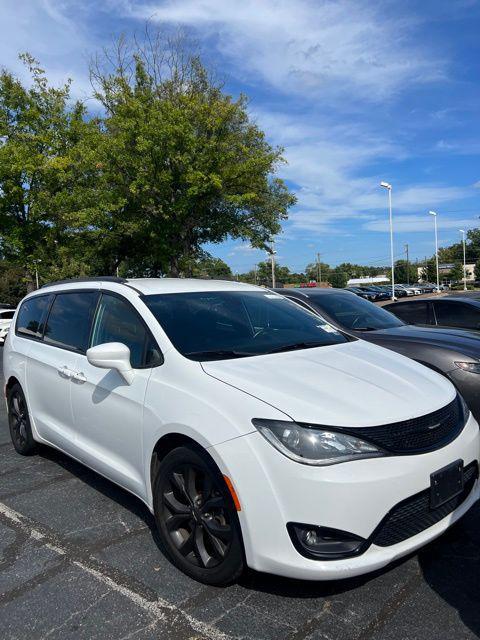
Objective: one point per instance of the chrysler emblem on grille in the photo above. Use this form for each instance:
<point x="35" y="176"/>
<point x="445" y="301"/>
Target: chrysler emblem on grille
<point x="431" y="427"/>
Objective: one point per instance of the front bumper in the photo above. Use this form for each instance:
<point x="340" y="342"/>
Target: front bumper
<point x="353" y="497"/>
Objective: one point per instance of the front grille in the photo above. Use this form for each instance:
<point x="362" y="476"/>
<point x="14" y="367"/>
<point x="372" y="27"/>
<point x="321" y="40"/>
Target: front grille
<point x="428" y="432"/>
<point x="414" y="514"/>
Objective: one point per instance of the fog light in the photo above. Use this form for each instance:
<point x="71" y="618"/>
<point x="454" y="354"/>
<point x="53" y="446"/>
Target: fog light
<point x="324" y="543"/>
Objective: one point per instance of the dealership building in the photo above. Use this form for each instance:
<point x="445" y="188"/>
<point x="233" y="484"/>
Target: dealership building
<point x="444" y="269"/>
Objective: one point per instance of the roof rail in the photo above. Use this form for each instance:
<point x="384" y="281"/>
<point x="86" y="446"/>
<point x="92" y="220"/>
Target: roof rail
<point x="89" y="279"/>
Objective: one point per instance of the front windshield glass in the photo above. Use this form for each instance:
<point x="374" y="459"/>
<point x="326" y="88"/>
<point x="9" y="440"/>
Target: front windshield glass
<point x="352" y="312"/>
<point x="215" y="325"/>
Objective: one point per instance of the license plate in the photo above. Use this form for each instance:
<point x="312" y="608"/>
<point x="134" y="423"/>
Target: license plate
<point x="446" y="483"/>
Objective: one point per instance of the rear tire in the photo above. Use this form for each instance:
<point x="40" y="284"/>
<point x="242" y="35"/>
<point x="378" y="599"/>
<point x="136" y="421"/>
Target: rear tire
<point x="19" y="422"/>
<point x="196" y="518"/>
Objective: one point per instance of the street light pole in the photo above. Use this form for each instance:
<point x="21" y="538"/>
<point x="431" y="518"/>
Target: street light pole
<point x="462" y="231"/>
<point x="433" y="213"/>
<point x="35" y="262"/>
<point x="388" y="186"/>
<point x="408" y="264"/>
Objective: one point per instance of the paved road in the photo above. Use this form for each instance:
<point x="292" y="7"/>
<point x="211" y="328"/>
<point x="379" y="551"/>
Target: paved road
<point x="78" y="561"/>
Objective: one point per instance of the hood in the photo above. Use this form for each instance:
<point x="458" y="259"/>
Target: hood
<point x="459" y="340"/>
<point x="355" y="384"/>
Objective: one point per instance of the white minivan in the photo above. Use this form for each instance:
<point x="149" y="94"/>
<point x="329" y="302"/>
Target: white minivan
<point x="255" y="432"/>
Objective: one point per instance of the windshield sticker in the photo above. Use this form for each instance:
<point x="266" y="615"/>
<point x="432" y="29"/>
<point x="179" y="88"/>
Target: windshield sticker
<point x="327" y="327"/>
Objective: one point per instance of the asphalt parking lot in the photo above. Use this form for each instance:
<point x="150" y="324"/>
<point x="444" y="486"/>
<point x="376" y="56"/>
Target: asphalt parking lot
<point x="79" y="560"/>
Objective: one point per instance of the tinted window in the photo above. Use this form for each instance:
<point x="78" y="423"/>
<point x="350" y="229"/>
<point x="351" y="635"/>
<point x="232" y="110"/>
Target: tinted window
<point x="7" y="315"/>
<point x="352" y="312"/>
<point x="457" y="314"/>
<point x="31" y="316"/>
<point x="70" y="319"/>
<point x="411" y="312"/>
<point x="213" y="325"/>
<point x="117" y="321"/>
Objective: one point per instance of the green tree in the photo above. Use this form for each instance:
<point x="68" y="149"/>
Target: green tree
<point x="338" y="277"/>
<point x="404" y="275"/>
<point x="262" y="274"/>
<point x="40" y="188"/>
<point x="183" y="161"/>
<point x="12" y="283"/>
<point x="210" y="267"/>
<point x="313" y="270"/>
<point x="456" y="272"/>
<point x="429" y="271"/>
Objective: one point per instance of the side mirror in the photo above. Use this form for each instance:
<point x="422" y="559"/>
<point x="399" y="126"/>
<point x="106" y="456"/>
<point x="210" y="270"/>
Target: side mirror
<point x="112" y="355"/>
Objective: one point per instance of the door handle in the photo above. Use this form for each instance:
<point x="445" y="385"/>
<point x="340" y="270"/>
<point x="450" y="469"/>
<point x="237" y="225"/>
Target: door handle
<point x="79" y="376"/>
<point x="65" y="372"/>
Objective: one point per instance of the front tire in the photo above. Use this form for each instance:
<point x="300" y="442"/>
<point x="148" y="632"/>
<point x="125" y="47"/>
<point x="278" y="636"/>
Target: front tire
<point x="19" y="422"/>
<point x="196" y="518"/>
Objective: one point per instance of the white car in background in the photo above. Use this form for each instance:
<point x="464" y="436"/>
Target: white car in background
<point x="255" y="432"/>
<point x="6" y="316"/>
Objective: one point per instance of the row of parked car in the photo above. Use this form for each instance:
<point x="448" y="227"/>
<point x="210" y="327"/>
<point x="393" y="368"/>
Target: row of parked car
<point x="374" y="293"/>
<point x="282" y="430"/>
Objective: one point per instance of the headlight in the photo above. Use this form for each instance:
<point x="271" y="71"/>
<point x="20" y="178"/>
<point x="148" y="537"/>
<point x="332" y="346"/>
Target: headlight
<point x="473" y="367"/>
<point x="314" y="445"/>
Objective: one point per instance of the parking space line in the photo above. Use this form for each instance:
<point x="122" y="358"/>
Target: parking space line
<point x="160" y="609"/>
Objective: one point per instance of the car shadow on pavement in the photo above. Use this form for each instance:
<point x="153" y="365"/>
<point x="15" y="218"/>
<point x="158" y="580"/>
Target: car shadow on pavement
<point x="451" y="567"/>
<point x="97" y="482"/>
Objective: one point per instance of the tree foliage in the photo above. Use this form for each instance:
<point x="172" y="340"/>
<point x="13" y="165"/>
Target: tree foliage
<point x="405" y="273"/>
<point x="39" y="190"/>
<point x="183" y="160"/>
<point x="172" y="163"/>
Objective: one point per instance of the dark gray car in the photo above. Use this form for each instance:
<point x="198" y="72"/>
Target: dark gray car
<point x="452" y="352"/>
<point x="451" y="311"/>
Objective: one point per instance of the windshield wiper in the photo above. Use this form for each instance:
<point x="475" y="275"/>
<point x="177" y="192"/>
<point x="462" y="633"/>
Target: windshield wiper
<point x="296" y="345"/>
<point x="213" y="354"/>
<point x="365" y="329"/>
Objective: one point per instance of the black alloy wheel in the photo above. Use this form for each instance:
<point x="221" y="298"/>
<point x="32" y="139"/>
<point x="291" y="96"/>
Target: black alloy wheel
<point x="19" y="422"/>
<point x="196" y="517"/>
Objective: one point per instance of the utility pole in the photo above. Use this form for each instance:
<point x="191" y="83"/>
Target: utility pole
<point x="462" y="231"/>
<point x="255" y="273"/>
<point x="408" y="264"/>
<point x="319" y="269"/>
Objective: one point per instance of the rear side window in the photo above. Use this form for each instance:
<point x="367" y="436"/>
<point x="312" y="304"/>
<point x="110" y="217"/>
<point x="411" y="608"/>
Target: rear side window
<point x="31" y="316"/>
<point x="70" y="319"/>
<point x="456" y="314"/>
<point x="117" y="321"/>
<point x="411" y="312"/>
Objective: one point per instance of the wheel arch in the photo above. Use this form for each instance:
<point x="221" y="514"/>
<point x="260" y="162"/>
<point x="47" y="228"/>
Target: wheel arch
<point x="10" y="382"/>
<point x="167" y="443"/>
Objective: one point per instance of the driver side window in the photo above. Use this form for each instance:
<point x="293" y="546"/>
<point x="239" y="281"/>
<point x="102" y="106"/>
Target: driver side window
<point x="117" y="321"/>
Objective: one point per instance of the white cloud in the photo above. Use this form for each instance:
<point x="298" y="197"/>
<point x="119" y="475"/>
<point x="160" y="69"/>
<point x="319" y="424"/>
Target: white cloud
<point x="416" y="223"/>
<point x="45" y="30"/>
<point x="307" y="46"/>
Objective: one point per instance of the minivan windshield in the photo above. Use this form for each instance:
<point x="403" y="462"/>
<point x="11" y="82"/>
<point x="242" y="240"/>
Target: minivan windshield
<point x="353" y="312"/>
<point x="216" y="325"/>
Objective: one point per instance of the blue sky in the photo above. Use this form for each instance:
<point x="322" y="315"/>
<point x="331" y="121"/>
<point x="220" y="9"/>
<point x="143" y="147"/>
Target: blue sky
<point x="356" y="92"/>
